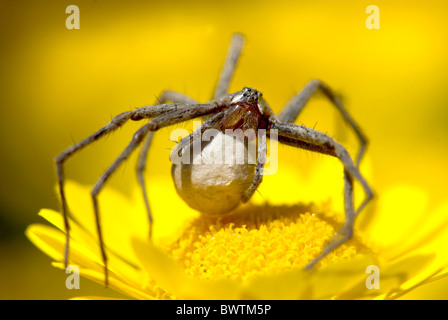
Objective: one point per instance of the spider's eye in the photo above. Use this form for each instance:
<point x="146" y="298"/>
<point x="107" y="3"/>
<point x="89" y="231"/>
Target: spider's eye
<point x="256" y="98"/>
<point x="245" y="94"/>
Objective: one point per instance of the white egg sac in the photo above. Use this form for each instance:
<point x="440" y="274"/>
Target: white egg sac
<point x="216" y="174"/>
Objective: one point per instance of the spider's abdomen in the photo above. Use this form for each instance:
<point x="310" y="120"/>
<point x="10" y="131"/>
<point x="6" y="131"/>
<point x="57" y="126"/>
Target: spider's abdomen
<point x="215" y="187"/>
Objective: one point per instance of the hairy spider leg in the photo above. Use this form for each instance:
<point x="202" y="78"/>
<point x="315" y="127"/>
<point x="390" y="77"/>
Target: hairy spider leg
<point x="114" y="124"/>
<point x="296" y="104"/>
<point x="233" y="54"/>
<point x="168" y="95"/>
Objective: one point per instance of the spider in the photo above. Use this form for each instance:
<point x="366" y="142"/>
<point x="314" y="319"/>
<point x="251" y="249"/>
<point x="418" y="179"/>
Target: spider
<point x="245" y="109"/>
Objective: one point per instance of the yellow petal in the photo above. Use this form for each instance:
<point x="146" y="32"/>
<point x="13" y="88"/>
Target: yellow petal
<point x="52" y="242"/>
<point x="392" y="276"/>
<point x="344" y="276"/>
<point x="170" y="212"/>
<point x="119" y="218"/>
<point x="401" y="210"/>
<point x="287" y="285"/>
<point x="116" y="283"/>
<point x="89" y="246"/>
<point x="173" y="278"/>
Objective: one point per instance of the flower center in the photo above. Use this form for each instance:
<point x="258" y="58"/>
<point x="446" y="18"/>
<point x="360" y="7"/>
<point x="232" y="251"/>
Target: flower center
<point x="258" y="240"/>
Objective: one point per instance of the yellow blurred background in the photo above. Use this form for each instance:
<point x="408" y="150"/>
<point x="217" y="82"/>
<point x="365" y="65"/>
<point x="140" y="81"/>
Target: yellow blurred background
<point x="58" y="86"/>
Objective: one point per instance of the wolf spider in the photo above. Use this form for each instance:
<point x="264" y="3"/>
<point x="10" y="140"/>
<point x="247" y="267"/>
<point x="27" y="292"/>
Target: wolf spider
<point x="245" y="109"/>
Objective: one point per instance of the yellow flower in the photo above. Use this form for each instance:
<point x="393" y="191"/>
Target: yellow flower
<point x="258" y="252"/>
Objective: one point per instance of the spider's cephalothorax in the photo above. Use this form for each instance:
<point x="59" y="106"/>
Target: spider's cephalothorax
<point x="245" y="111"/>
<point x="220" y="188"/>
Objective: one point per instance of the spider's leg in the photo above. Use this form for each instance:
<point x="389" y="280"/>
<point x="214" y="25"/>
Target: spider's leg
<point x="351" y="172"/>
<point x="175" y="97"/>
<point x="190" y="112"/>
<point x="168" y="95"/>
<point x="346" y="231"/>
<point x="296" y="104"/>
<point x="114" y="124"/>
<point x="304" y="145"/>
<point x="236" y="45"/>
<point x="261" y="161"/>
